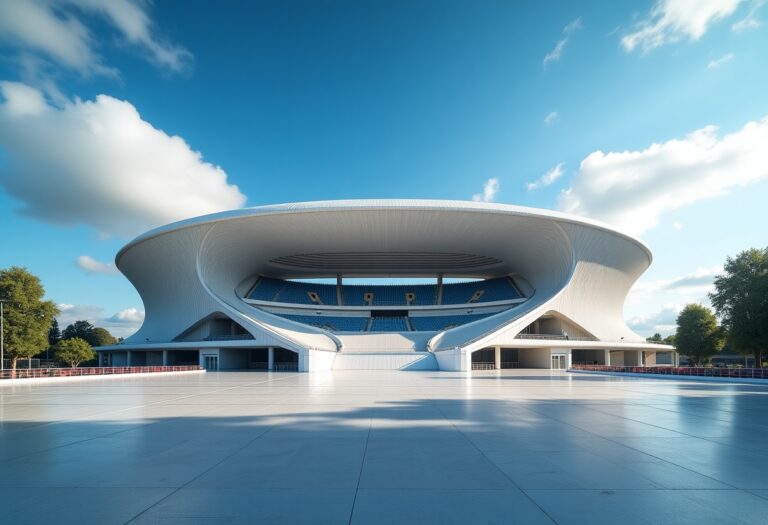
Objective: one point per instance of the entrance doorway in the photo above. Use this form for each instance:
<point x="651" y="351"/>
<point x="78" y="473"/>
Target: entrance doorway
<point x="558" y="361"/>
<point x="211" y="362"/>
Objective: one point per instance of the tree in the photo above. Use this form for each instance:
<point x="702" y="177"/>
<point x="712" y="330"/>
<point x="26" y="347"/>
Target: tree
<point x="741" y="300"/>
<point x="81" y="329"/>
<point x="698" y="335"/>
<point x="655" y="338"/>
<point x="27" y="316"/>
<point x="54" y="334"/>
<point x="74" y="351"/>
<point x="101" y="337"/>
<point x="94" y="336"/>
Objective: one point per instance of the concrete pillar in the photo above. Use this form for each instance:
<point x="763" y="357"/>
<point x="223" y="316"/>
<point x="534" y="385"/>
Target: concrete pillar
<point x="165" y="357"/>
<point x="607" y="357"/>
<point x="128" y="358"/>
<point x="271" y="358"/>
<point x="497" y="358"/>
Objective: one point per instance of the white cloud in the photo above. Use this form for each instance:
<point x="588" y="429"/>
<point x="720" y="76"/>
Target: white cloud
<point x="663" y="321"/>
<point x="121" y="324"/>
<point x="98" y="163"/>
<point x="671" y="20"/>
<point x="697" y="283"/>
<point x="56" y="31"/>
<point x="714" y="64"/>
<point x="91" y="265"/>
<point x="632" y="189"/>
<point x="129" y="315"/>
<point x="677" y="225"/>
<point x="750" y="21"/>
<point x="22" y="99"/>
<point x="550" y="118"/>
<point x="490" y="189"/>
<point x="548" y="178"/>
<point x="557" y="51"/>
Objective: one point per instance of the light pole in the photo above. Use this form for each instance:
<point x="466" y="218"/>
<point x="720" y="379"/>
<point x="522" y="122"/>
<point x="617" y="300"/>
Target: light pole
<point x="2" y="336"/>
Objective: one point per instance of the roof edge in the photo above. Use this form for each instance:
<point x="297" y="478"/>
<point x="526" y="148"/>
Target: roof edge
<point x="379" y="204"/>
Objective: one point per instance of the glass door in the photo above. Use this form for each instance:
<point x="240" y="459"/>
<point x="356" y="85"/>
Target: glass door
<point x="558" y="362"/>
<point x="211" y="362"/>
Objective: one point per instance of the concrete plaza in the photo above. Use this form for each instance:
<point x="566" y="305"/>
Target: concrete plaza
<point x="528" y="446"/>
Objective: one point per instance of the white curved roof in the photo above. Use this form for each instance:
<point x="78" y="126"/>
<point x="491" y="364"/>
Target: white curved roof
<point x="372" y="205"/>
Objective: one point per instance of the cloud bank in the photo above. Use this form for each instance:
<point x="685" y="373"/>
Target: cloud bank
<point x="99" y="163"/>
<point x="633" y="189"/>
<point x="121" y="324"/>
<point x="56" y="31"/>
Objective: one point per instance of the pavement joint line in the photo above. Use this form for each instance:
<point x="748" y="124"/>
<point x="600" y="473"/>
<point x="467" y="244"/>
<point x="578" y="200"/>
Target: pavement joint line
<point x="474" y="445"/>
<point x="204" y="472"/>
<point x="362" y="465"/>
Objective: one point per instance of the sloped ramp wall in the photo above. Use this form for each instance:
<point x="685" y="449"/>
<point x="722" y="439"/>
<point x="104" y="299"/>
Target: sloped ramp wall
<point x="385" y="361"/>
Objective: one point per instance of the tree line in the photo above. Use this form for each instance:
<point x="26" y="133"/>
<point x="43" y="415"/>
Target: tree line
<point x="30" y="328"/>
<point x="740" y="301"/>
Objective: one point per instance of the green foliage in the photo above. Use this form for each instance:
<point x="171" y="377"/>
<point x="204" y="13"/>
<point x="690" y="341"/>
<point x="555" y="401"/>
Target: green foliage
<point x="741" y="300"/>
<point x="81" y="329"/>
<point x="27" y="316"/>
<point x="102" y="337"/>
<point x="669" y="340"/>
<point x="54" y="334"/>
<point x="698" y="335"/>
<point x="87" y="332"/>
<point x="74" y="351"/>
<point x="655" y="338"/>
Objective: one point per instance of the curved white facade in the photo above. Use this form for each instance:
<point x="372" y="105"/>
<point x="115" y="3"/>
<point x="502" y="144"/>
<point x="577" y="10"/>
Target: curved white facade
<point x="574" y="274"/>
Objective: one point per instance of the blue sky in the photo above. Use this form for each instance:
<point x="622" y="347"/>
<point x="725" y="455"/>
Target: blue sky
<point x="119" y="116"/>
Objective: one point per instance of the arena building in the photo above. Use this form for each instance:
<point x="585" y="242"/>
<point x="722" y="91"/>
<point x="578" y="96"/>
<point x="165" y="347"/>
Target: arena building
<point x="331" y="285"/>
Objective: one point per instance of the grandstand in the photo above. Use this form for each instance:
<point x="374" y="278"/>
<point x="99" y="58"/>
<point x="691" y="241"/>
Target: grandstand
<point x="479" y="291"/>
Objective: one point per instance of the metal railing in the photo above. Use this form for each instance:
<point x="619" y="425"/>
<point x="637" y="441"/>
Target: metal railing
<point x="27" y="373"/>
<point x="556" y="337"/>
<point x="736" y="373"/>
<point x="276" y="367"/>
<point x="483" y="366"/>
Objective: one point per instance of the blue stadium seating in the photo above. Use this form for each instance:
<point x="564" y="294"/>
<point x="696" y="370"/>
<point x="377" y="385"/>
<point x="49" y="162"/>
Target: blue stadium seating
<point x="384" y="295"/>
<point x="493" y="290"/>
<point x="442" y="322"/>
<point x="293" y="292"/>
<point x="389" y="324"/>
<point x="384" y="324"/>
<point x="332" y="323"/>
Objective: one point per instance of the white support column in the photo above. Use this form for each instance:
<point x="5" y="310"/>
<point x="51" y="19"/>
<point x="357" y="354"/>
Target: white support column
<point x="128" y="358"/>
<point x="607" y="357"/>
<point x="165" y="357"/>
<point x="497" y="358"/>
<point x="271" y="358"/>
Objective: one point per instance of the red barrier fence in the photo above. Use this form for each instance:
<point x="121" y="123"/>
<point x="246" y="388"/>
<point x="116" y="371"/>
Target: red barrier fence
<point x="25" y="373"/>
<point x="741" y="373"/>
